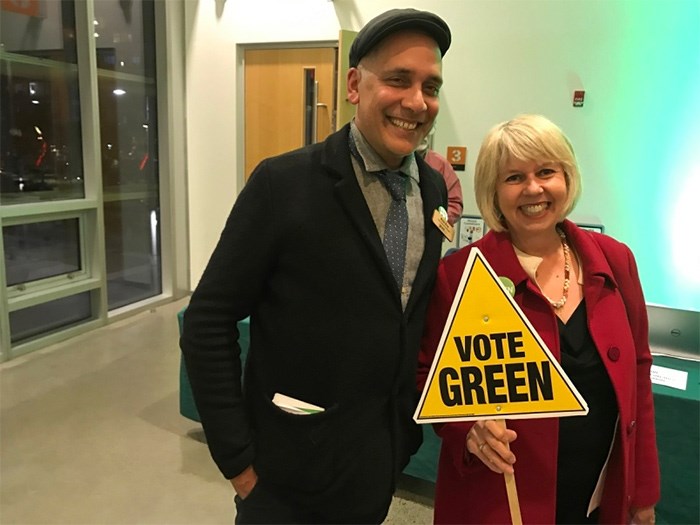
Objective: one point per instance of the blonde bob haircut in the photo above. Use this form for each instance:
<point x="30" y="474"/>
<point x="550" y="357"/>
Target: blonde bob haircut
<point x="526" y="137"/>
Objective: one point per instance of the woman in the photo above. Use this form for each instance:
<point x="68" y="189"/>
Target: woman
<point x="581" y="292"/>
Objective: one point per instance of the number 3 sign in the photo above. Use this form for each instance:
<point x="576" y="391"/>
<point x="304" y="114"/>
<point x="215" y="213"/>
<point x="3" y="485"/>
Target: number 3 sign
<point x="457" y="156"/>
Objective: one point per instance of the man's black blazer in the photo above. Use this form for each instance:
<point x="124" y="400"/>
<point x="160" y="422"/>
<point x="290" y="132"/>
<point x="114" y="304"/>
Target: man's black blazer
<point x="300" y="254"/>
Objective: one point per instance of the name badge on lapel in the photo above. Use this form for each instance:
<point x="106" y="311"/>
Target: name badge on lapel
<point x="440" y="220"/>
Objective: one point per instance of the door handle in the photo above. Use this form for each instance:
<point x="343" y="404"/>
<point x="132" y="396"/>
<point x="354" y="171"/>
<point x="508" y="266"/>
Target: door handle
<point x="310" y="106"/>
<point x="314" y="118"/>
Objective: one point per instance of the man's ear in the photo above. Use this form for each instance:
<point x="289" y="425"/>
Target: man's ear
<point x="354" y="75"/>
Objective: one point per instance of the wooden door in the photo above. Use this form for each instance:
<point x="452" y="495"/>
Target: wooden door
<point x="275" y="101"/>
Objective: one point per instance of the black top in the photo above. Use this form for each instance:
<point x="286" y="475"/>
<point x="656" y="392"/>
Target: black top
<point x="584" y="441"/>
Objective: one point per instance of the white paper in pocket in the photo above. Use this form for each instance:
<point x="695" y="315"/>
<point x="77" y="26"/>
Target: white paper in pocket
<point x="295" y="406"/>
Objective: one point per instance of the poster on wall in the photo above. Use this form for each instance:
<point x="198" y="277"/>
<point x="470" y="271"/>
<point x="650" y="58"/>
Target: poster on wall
<point x="471" y="228"/>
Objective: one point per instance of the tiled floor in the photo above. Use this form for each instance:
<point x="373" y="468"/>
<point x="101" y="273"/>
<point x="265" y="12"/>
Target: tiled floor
<point x="90" y="433"/>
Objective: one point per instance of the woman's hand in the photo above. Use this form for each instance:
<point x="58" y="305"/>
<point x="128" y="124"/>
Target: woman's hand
<point x="643" y="516"/>
<point x="490" y="441"/>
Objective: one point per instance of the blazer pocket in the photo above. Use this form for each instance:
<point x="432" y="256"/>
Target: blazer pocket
<point x="297" y="450"/>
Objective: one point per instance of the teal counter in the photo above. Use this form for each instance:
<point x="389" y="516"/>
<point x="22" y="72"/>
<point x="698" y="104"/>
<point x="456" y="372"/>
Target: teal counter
<point x="678" y="441"/>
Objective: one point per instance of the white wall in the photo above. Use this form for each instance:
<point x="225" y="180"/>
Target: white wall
<point x="507" y="57"/>
<point x="215" y="28"/>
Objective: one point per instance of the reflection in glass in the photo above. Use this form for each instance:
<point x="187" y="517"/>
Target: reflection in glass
<point x="41" y="249"/>
<point x="125" y="40"/>
<point x="50" y="316"/>
<point x="40" y="141"/>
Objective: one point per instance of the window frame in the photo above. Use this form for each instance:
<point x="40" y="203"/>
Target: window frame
<point x="18" y="290"/>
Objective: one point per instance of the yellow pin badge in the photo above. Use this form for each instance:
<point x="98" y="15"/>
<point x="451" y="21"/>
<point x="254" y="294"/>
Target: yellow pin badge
<point x="490" y="362"/>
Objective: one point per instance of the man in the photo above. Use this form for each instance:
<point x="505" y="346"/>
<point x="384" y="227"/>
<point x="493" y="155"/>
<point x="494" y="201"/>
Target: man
<point x="335" y="314"/>
<point x="441" y="164"/>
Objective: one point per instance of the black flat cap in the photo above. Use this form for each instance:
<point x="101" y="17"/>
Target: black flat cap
<point x="395" y="20"/>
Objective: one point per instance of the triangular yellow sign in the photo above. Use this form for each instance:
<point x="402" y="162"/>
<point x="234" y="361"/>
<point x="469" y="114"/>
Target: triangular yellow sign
<point x="491" y="363"/>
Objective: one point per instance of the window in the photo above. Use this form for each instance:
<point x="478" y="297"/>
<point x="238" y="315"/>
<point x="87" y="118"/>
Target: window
<point x="80" y="192"/>
<point x="49" y="316"/>
<point x="126" y="73"/>
<point x="40" y="132"/>
<point x="40" y="250"/>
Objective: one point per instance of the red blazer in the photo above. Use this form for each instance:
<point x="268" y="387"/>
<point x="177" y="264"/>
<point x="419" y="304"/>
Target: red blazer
<point x="468" y="492"/>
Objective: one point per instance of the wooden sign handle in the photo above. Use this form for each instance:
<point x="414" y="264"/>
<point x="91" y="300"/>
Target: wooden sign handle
<point x="511" y="489"/>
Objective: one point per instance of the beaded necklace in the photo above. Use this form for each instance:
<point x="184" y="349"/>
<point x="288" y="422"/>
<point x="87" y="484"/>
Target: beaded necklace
<point x="567" y="268"/>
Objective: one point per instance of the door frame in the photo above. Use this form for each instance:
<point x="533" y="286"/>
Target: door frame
<point x="240" y="93"/>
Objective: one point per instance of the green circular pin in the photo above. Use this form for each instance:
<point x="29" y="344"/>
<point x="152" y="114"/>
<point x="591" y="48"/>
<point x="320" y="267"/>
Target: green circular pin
<point x="508" y="284"/>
